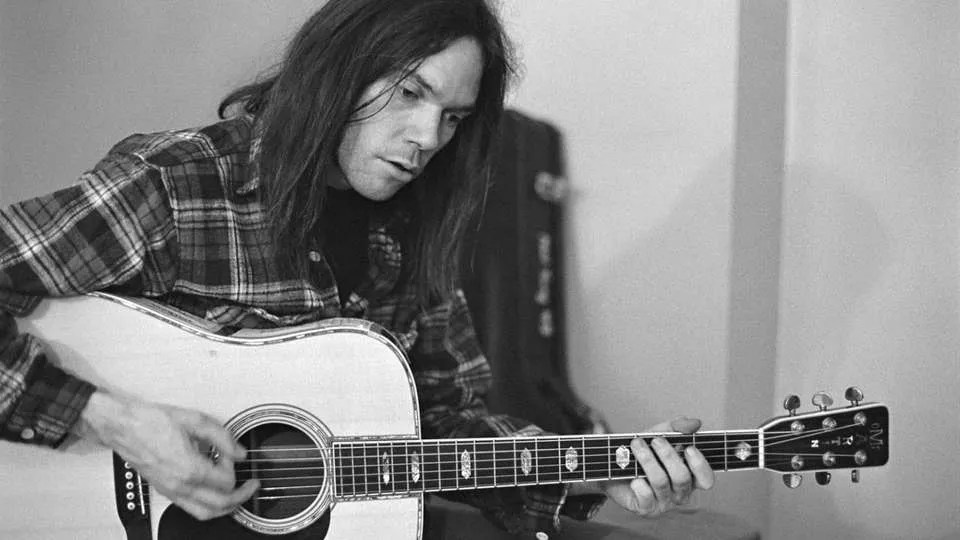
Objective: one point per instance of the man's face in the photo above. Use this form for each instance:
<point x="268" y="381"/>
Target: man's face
<point x="379" y="154"/>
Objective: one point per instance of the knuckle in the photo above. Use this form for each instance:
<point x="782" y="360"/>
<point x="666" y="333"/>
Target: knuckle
<point x="659" y="482"/>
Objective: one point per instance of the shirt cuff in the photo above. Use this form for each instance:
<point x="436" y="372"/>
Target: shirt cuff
<point x="49" y="407"/>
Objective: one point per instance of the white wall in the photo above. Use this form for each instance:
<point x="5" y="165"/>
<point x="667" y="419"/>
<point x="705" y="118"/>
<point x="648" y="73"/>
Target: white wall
<point x="76" y="77"/>
<point x="870" y="281"/>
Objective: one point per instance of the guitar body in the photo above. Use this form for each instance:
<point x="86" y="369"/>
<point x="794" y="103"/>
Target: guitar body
<point x="334" y="379"/>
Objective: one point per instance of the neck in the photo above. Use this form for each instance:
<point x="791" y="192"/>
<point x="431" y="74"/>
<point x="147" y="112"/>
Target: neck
<point x="375" y="469"/>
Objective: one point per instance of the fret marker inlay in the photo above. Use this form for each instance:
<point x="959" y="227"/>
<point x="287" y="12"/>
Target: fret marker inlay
<point x="386" y="465"/>
<point x="526" y="461"/>
<point x="570" y="460"/>
<point x="415" y="467"/>
<point x="623" y="457"/>
<point x="465" y="464"/>
<point x="743" y="451"/>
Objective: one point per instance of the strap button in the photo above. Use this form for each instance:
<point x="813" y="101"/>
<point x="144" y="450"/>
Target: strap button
<point x="27" y="434"/>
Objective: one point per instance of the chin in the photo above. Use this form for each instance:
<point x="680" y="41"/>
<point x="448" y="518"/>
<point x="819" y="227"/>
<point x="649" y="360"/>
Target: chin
<point x="379" y="195"/>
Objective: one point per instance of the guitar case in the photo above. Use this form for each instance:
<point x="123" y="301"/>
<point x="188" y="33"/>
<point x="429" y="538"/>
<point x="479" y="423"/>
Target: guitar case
<point x="513" y="279"/>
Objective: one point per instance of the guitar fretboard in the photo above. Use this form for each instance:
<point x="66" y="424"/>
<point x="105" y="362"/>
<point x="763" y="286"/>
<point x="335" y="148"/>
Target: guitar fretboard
<point x="382" y="468"/>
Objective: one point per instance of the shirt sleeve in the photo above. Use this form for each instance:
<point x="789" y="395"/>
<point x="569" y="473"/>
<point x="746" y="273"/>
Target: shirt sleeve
<point x="93" y="235"/>
<point x="453" y="377"/>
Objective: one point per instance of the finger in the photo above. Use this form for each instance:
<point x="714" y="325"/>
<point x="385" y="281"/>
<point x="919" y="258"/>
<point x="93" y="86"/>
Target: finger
<point x="195" y="509"/>
<point x="680" y="478"/>
<point x="644" y="500"/>
<point x="656" y="476"/>
<point x="218" y="476"/>
<point x="685" y="424"/>
<point x="208" y="429"/>
<point x="212" y="503"/>
<point x="702" y="472"/>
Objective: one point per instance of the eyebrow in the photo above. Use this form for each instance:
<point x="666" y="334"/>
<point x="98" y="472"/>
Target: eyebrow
<point x="465" y="109"/>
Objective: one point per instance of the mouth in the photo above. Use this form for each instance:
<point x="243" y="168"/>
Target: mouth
<point x="404" y="169"/>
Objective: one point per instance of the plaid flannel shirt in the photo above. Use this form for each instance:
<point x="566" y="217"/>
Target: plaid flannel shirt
<point x="176" y="216"/>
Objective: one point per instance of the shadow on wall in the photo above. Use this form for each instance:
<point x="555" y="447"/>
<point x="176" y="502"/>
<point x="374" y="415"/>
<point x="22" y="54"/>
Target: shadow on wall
<point x="655" y="341"/>
<point x="841" y="272"/>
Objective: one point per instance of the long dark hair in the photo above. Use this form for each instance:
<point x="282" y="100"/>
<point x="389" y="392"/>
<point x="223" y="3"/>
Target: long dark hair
<point x="304" y="106"/>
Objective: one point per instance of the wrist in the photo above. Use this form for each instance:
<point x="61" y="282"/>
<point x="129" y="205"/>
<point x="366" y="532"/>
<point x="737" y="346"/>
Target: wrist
<point x="101" y="414"/>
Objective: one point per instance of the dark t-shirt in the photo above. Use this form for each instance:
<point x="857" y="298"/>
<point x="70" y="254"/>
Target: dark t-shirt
<point x="344" y="230"/>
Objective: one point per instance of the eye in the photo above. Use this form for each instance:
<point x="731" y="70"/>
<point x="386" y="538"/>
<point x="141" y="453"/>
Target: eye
<point x="455" y="119"/>
<point x="408" y="93"/>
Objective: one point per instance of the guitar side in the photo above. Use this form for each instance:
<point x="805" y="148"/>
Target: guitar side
<point x="346" y="373"/>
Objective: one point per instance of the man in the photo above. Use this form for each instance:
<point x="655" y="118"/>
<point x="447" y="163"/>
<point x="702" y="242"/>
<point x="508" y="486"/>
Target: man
<point x="340" y="186"/>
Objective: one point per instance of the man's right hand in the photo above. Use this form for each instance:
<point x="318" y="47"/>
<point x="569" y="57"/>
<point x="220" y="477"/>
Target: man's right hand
<point x="167" y="446"/>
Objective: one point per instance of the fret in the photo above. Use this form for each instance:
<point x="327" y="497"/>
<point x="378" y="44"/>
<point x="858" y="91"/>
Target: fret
<point x="609" y="458"/>
<point x="448" y="465"/>
<point x="622" y="463"/>
<point x="382" y="470"/>
<point x="487" y="462"/>
<point x="714" y="447"/>
<point x="465" y="453"/>
<point x="597" y="458"/>
<point x="386" y="468"/>
<point x="726" y="466"/>
<point x="742" y="450"/>
<point x="549" y="460"/>
<point x="414" y="463"/>
<point x="337" y="473"/>
<point x="505" y="472"/>
<point x="525" y="463"/>
<point x="680" y="442"/>
<point x="348" y="487"/>
<point x="371" y="482"/>
<point x="401" y="466"/>
<point x="431" y="466"/>
<point x="570" y="459"/>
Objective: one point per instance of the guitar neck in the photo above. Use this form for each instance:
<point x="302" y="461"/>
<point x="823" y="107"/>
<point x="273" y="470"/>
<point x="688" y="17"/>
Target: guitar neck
<point x="382" y="468"/>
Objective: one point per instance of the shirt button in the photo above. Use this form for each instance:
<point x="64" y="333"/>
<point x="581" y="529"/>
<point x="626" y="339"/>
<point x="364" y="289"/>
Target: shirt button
<point x="315" y="256"/>
<point x="27" y="434"/>
<point x="543" y="536"/>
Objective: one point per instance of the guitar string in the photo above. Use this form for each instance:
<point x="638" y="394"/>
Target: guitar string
<point x="482" y="455"/>
<point x="386" y="490"/>
<point x="784" y="436"/>
<point x="479" y="465"/>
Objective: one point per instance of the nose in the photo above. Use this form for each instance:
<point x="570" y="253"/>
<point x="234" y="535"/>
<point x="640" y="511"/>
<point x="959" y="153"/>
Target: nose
<point x="424" y="129"/>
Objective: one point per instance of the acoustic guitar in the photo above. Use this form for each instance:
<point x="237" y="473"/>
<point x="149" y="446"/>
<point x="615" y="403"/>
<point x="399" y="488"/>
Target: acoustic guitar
<point x="328" y="413"/>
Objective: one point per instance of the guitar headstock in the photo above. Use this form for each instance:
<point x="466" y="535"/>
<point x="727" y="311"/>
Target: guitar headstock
<point x="828" y="439"/>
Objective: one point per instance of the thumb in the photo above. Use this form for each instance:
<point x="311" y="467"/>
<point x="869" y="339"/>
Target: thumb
<point x="685" y="424"/>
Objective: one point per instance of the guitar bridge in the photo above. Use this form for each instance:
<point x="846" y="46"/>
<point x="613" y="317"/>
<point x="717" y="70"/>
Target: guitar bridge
<point x="133" y="499"/>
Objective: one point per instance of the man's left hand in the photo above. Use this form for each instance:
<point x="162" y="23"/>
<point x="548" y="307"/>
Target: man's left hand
<point x="668" y="481"/>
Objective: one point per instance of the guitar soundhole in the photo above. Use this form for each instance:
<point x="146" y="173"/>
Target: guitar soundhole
<point x="289" y="466"/>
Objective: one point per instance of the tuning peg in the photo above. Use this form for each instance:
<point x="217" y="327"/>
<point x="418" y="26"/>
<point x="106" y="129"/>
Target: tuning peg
<point x="855" y="476"/>
<point x="822" y="400"/>
<point x="854" y="395"/>
<point x="791" y="403"/>
<point x="823" y="478"/>
<point x="792" y="480"/>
